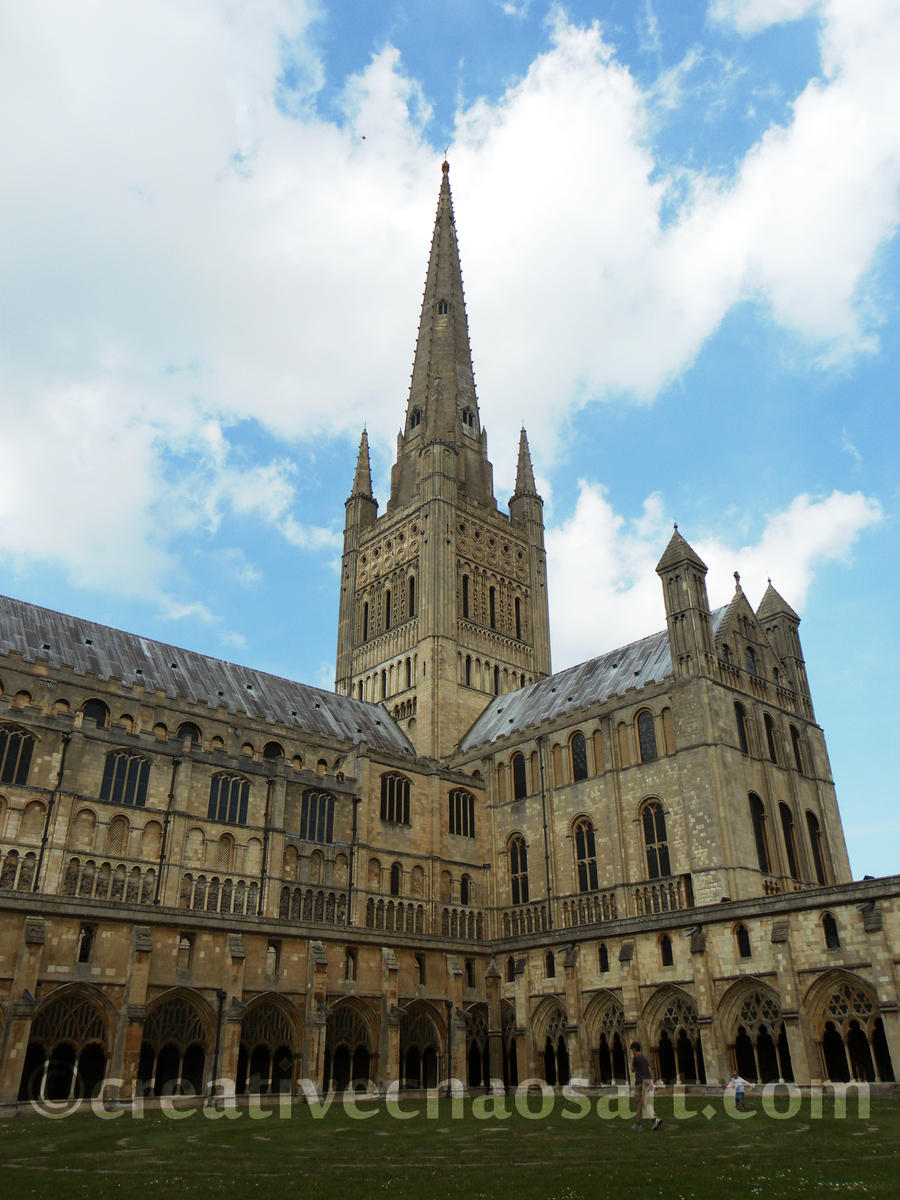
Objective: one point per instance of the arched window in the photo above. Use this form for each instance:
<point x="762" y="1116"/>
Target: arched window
<point x="125" y="778"/>
<point x="462" y="813"/>
<point x="470" y="972"/>
<point x="518" y="612"/>
<point x="387" y="609"/>
<point x="666" y="956"/>
<point x="228" y="797"/>
<point x="795" y="743"/>
<point x="790" y="844"/>
<point x="740" y="716"/>
<point x="409" y="672"/>
<point x="830" y="929"/>
<point x="395" y="798"/>
<point x="550" y="965"/>
<point x="815" y="844"/>
<point x="189" y="732"/>
<point x="415" y="418"/>
<point x="16" y="747"/>
<point x="411" y="597"/>
<point x="468" y="419"/>
<point x="317" y="817"/>
<point x="578" y="753"/>
<point x="585" y="856"/>
<point x="492" y="607"/>
<point x="96" y="711"/>
<point x="770" y="737"/>
<point x="365" y="622"/>
<point x="520" y="783"/>
<point x="349" y="964"/>
<point x="750" y="659"/>
<point x="496" y="681"/>
<point x="603" y="958"/>
<point x="396" y="878"/>
<point x="510" y="970"/>
<point x="465" y="596"/>
<point x="465" y="890"/>
<point x="742" y="937"/>
<point x="443" y="308"/>
<point x="518" y="869"/>
<point x="758" y="820"/>
<point x="468" y="670"/>
<point x="646" y="736"/>
<point x="656" y="844"/>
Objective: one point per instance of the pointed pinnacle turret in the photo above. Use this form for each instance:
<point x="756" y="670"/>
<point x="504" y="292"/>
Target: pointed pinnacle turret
<point x="525" y="485"/>
<point x="443" y="379"/>
<point x="362" y="480"/>
<point x="773" y="604"/>
<point x="679" y="551"/>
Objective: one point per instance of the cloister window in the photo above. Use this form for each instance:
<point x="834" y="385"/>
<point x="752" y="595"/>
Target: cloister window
<point x="666" y="957"/>
<point x="646" y="736"/>
<point x="228" y="798"/>
<point x="16" y="748"/>
<point x="462" y="814"/>
<point x="758" y="820"/>
<point x="585" y="856"/>
<point x="518" y="869"/>
<point x="125" y="778"/>
<point x="740" y="716"/>
<point x="656" y="843"/>
<point x="742" y="937"/>
<point x="520" y="783"/>
<point x="770" y="737"/>
<point x="790" y="843"/>
<point x="578" y="752"/>
<point x="830" y="929"/>
<point x="395" y="798"/>
<point x="317" y="817"/>
<point x="815" y="845"/>
<point x="795" y="744"/>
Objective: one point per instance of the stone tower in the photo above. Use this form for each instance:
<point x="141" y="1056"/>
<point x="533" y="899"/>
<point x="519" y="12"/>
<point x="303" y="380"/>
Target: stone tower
<point x="443" y="597"/>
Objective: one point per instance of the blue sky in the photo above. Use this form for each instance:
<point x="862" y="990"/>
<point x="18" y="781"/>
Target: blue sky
<point x="677" y="223"/>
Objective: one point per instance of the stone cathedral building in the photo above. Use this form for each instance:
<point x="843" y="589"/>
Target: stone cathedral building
<point x="458" y="864"/>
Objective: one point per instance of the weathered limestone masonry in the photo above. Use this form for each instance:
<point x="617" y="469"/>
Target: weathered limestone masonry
<point x="458" y="864"/>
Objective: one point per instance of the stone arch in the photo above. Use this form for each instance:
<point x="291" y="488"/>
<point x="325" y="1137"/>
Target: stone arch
<point x="351" y="1038"/>
<point x="845" y="1017"/>
<point x="673" y="1026"/>
<point x="69" y="1044"/>
<point x="750" y="1019"/>
<point x="422" y="1044"/>
<point x="271" y="1037"/>
<point x="604" y="1022"/>
<point x="548" y="1032"/>
<point x="478" y="1060"/>
<point x="179" y="1033"/>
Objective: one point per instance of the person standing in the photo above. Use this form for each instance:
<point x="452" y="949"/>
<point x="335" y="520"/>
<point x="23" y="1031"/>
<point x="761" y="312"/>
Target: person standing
<point x="643" y="1089"/>
<point x="737" y="1085"/>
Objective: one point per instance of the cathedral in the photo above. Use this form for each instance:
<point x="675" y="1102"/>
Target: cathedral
<point x="456" y="866"/>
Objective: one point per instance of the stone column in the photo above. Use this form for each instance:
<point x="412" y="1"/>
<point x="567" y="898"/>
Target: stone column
<point x="17" y="1029"/>
<point x="126" y="1056"/>
<point x="495" y="1026"/>
<point x="389" y="1048"/>
<point x="233" y="1010"/>
<point x="315" y="1021"/>
<point x="456" y="1028"/>
<point x="579" y="1057"/>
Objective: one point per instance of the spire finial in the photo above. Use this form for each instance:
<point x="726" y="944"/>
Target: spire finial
<point x="737" y="581"/>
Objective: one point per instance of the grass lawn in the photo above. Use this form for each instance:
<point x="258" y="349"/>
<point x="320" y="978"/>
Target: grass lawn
<point x="553" y="1157"/>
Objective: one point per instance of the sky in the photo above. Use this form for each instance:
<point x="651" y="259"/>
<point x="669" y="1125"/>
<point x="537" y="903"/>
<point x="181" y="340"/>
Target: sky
<point x="677" y="222"/>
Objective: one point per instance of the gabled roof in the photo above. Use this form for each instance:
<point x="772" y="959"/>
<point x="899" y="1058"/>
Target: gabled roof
<point x="42" y="635"/>
<point x="633" y="666"/>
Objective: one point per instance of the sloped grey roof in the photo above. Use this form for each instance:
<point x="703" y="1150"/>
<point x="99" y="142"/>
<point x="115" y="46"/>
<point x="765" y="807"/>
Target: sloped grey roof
<point x="41" y="635"/>
<point x="633" y="666"/>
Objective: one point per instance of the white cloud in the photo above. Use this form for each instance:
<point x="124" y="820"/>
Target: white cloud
<point x="604" y="590"/>
<point x="750" y="16"/>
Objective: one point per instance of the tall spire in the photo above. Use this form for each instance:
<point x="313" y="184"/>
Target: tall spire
<point x="443" y="380"/>
<point x="525" y="485"/>
<point x="362" y="480"/>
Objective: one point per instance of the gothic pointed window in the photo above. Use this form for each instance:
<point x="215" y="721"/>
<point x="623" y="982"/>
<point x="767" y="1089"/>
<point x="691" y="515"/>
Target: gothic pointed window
<point x="758" y="820"/>
<point x="317" y="817"/>
<point x="443" y="308"/>
<point x="656" y="845"/>
<point x="550" y="965"/>
<point x="815" y="845"/>
<point x="750" y="659"/>
<point x="790" y="843"/>
<point x="830" y="929"/>
<point x="585" y="855"/>
<point x="578" y="753"/>
<point x="468" y="420"/>
<point x="16" y="747"/>
<point x="387" y="609"/>
<point x="795" y="745"/>
<point x="740" y="717"/>
<point x="770" y="737"/>
<point x="411" y="597"/>
<point x="465" y="596"/>
<point x="518" y="610"/>
<point x="518" y="869"/>
<point x="520" y="784"/>
<point x="742" y="937"/>
<point x="646" y="736"/>
<point x="365" y="623"/>
<point x="462" y="813"/>
<point x="396" y="879"/>
<point x="603" y="958"/>
<point x="125" y="778"/>
<point x="395" y="798"/>
<point x="228" y="798"/>
<point x="666" y="956"/>
<point x="465" y="890"/>
<point x="415" y="418"/>
<point x="492" y="607"/>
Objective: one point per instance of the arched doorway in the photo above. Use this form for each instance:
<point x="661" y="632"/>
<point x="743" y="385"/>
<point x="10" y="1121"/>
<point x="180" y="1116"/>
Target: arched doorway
<point x="349" y="1048"/>
<point x="605" y="1023"/>
<point x="68" y="1048"/>
<point x="552" y="1051"/>
<point x="846" y="1021"/>
<point x="757" y="1039"/>
<point x="671" y="1017"/>
<point x="268" y="1049"/>
<point x="177" y="1039"/>
<point x="421" y="1046"/>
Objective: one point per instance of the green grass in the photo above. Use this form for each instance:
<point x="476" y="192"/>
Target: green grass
<point x="554" y="1157"/>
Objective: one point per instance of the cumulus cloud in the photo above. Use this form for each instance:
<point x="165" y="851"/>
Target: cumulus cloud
<point x="191" y="244"/>
<point x="750" y="16"/>
<point x="604" y="590"/>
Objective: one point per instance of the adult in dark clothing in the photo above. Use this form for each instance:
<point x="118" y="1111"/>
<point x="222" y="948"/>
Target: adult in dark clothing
<point x="643" y="1089"/>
